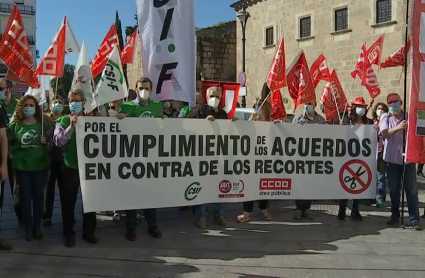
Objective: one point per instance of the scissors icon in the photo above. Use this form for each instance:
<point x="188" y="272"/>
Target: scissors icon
<point x="353" y="184"/>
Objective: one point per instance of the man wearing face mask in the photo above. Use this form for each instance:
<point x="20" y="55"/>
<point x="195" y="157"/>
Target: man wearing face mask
<point x="184" y="112"/>
<point x="168" y="109"/>
<point x="56" y="163"/>
<point x="210" y="112"/>
<point x="64" y="137"/>
<point x="309" y="116"/>
<point x="142" y="107"/>
<point x="392" y="126"/>
<point x="7" y="107"/>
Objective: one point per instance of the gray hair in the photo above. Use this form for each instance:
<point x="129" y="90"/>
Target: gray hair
<point x="77" y="91"/>
<point x="215" y="90"/>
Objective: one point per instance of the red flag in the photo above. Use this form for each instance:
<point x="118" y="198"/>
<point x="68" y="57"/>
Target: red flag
<point x="278" y="108"/>
<point x="333" y="97"/>
<point x="127" y="54"/>
<point x="15" y="51"/>
<point x="229" y="95"/>
<point x="13" y="77"/>
<point x="277" y="77"/>
<point x="319" y="70"/>
<point x="53" y="61"/>
<point x="366" y="74"/>
<point x="375" y="51"/>
<point x="397" y="58"/>
<point x="300" y="85"/>
<point x="105" y="49"/>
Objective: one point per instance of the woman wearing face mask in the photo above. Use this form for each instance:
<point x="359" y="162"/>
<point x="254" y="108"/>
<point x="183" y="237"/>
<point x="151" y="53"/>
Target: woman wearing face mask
<point x="264" y="115"/>
<point x="168" y="109"/>
<point x="377" y="112"/>
<point x="64" y="137"/>
<point x="56" y="158"/>
<point x="30" y="161"/>
<point x="357" y="117"/>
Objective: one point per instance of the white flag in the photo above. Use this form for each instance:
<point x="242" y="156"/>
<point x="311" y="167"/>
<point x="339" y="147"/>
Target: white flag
<point x="38" y="93"/>
<point x="112" y="85"/>
<point x="167" y="29"/>
<point x="83" y="78"/>
<point x="71" y="44"/>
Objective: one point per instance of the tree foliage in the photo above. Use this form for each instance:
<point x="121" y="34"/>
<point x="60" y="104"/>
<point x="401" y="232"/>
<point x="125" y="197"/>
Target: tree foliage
<point x="129" y="30"/>
<point x="64" y="83"/>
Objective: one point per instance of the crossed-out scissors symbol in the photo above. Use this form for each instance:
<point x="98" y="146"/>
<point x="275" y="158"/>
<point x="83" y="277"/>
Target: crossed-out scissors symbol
<point x="353" y="184"/>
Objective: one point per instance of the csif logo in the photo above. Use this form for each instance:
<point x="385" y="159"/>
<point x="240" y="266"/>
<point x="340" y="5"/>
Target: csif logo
<point x="28" y="137"/>
<point x="146" y="114"/>
<point x="192" y="191"/>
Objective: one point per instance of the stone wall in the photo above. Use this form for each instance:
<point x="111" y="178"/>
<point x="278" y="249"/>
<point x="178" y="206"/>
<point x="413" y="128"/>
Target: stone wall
<point x="215" y="55"/>
<point x="340" y="48"/>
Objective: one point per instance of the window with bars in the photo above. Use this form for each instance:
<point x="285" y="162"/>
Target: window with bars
<point x="305" y="27"/>
<point x="383" y="11"/>
<point x="341" y="19"/>
<point x="269" y="36"/>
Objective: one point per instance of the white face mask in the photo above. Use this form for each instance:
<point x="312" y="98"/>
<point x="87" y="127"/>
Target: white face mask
<point x="360" y="111"/>
<point x="144" y="94"/>
<point x="112" y="113"/>
<point x="379" y="113"/>
<point x="213" y="102"/>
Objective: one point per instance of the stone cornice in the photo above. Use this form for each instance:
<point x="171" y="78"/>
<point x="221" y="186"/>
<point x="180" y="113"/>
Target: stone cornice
<point x="247" y="3"/>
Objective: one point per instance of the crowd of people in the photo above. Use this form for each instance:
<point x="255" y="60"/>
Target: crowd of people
<point x="39" y="151"/>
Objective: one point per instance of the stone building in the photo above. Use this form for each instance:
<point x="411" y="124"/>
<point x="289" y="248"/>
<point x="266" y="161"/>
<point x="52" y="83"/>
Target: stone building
<point x="336" y="28"/>
<point x="215" y="55"/>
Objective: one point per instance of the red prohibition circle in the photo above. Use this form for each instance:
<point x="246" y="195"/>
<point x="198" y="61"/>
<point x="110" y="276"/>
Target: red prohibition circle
<point x="346" y="166"/>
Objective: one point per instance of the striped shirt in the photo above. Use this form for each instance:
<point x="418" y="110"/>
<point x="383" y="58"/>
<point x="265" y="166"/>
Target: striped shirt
<point x="393" y="146"/>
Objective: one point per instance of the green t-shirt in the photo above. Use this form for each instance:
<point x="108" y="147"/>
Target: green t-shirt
<point x="185" y="111"/>
<point x="10" y="110"/>
<point x="70" y="149"/>
<point x="28" y="154"/>
<point x="151" y="110"/>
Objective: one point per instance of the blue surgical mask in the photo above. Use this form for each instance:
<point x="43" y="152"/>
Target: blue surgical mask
<point x="3" y="95"/>
<point x="57" y="108"/>
<point x="360" y="111"/>
<point x="29" y="111"/>
<point x="309" y="109"/>
<point x="75" y="107"/>
<point x="394" y="108"/>
<point x="166" y="104"/>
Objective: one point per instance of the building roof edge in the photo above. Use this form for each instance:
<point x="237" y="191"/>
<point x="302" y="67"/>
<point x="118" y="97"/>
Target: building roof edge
<point x="241" y="3"/>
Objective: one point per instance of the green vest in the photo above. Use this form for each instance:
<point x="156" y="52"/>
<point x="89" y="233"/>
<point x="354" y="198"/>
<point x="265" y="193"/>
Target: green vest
<point x="28" y="154"/>
<point x="151" y="110"/>
<point x="70" y="149"/>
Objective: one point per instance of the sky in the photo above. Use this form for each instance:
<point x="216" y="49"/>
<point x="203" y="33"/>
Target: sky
<point x="91" y="19"/>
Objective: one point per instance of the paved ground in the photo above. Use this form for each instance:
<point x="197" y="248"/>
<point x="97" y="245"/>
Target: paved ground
<point x="323" y="248"/>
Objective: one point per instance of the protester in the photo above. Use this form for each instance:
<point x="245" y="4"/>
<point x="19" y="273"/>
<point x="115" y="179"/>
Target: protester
<point x="392" y="126"/>
<point x="142" y="107"/>
<point x="177" y="106"/>
<point x="309" y="116"/>
<point x="185" y="111"/>
<point x="4" y="151"/>
<point x="7" y="107"/>
<point x="56" y="163"/>
<point x="381" y="179"/>
<point x="168" y="111"/>
<point x="132" y="95"/>
<point x="210" y="112"/>
<point x="264" y="115"/>
<point x="357" y="117"/>
<point x="64" y="137"/>
<point x="30" y="161"/>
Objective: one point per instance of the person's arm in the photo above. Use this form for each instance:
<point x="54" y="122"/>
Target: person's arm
<point x="4" y="147"/>
<point x="61" y="135"/>
<point x="194" y="113"/>
<point x="384" y="127"/>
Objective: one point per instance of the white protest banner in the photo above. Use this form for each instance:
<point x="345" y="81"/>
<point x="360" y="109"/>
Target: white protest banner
<point x="112" y="85"/>
<point x="167" y="29"/>
<point x="153" y="163"/>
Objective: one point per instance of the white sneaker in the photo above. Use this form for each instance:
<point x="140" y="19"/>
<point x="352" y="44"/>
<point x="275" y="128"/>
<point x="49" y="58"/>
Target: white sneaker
<point x="116" y="217"/>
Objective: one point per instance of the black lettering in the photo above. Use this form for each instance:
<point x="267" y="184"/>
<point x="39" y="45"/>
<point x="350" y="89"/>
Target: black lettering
<point x="129" y="149"/>
<point x="277" y="170"/>
<point x="329" y="167"/>
<point x="292" y="151"/>
<point x="113" y="151"/>
<point x="245" y="145"/>
<point x="87" y="126"/>
<point x="353" y="147"/>
<point x="289" y="167"/>
<point x="164" y="76"/>
<point x="223" y="145"/>
<point x="238" y="167"/>
<point x="340" y="148"/>
<point x="121" y="173"/>
<point x="304" y="142"/>
<point x="315" y="146"/>
<point x="187" y="171"/>
<point x="201" y="145"/>
<point x="161" y="145"/>
<point x="258" y="166"/>
<point x="318" y="170"/>
<point x="234" y="139"/>
<point x="152" y="170"/>
<point x="167" y="24"/>
<point x="246" y="167"/>
<point x="328" y="147"/>
<point x="187" y="145"/>
<point x="367" y="151"/>
<point x="309" y="164"/>
<point x="214" y="167"/>
<point x="300" y="167"/>
<point x="138" y="170"/>
<point x="165" y="166"/>
<point x="226" y="168"/>
<point x="113" y="87"/>
<point x="268" y="166"/>
<point x="209" y="145"/>
<point x="277" y="147"/>
<point x="86" y="145"/>
<point x="90" y="171"/>
<point x="160" y="3"/>
<point x="173" y="146"/>
<point x="111" y="68"/>
<point x="203" y="168"/>
<point x="149" y="142"/>
<point x="176" y="169"/>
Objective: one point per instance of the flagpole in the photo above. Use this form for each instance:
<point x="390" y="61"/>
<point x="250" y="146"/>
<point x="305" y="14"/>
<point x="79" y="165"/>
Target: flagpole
<point x="346" y="105"/>
<point x="403" y="189"/>
<point x="56" y="87"/>
<point x="336" y="104"/>
<point x="399" y="79"/>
